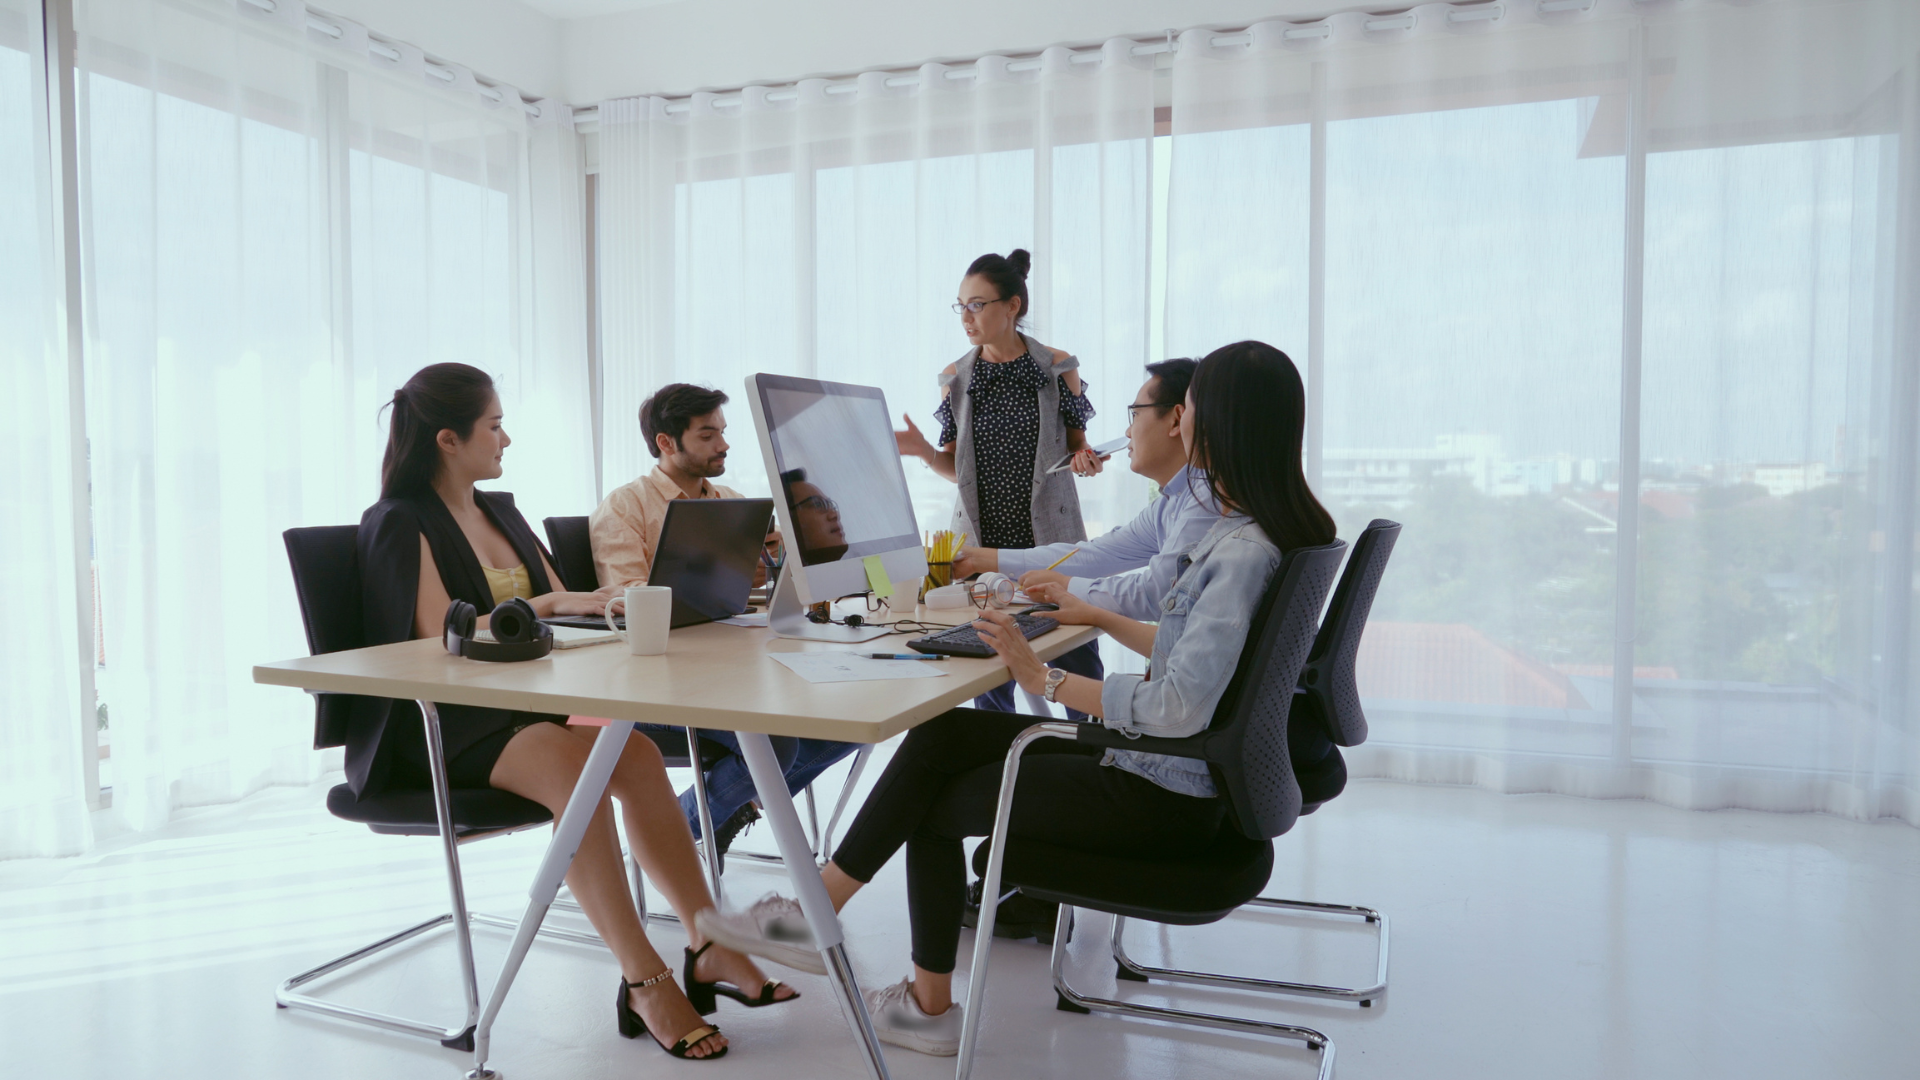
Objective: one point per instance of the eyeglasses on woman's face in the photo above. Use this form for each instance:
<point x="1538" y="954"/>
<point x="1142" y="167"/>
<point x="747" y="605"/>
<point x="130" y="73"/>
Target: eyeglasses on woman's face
<point x="975" y="307"/>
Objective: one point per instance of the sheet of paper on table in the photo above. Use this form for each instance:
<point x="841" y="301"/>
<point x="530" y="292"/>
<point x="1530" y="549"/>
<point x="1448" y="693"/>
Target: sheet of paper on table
<point x="756" y="619"/>
<point x="826" y="667"/>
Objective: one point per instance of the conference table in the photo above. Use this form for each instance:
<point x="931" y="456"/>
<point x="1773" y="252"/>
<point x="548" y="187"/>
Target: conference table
<point x="714" y="676"/>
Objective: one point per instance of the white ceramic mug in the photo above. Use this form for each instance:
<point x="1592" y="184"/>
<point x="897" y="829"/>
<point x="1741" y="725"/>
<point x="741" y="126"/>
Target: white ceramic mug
<point x="649" y="610"/>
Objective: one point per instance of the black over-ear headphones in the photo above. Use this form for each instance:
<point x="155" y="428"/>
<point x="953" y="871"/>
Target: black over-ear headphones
<point x="517" y="633"/>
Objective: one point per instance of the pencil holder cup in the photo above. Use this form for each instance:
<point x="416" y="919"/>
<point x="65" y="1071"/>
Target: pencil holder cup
<point x="938" y="574"/>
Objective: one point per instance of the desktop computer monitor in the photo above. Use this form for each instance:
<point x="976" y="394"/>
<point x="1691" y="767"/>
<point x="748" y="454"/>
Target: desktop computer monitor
<point x="839" y="495"/>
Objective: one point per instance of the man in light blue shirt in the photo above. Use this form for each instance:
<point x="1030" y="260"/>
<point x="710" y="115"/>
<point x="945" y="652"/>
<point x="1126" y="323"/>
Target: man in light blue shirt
<point x="1129" y="570"/>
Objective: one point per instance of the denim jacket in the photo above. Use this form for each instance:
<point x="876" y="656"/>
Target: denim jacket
<point x="1203" y="628"/>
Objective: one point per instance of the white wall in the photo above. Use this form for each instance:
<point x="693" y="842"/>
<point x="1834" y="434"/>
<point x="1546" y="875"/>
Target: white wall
<point x="718" y="44"/>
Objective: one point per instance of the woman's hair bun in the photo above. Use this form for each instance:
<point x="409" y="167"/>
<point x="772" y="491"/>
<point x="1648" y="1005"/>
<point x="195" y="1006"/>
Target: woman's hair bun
<point x="1020" y="260"/>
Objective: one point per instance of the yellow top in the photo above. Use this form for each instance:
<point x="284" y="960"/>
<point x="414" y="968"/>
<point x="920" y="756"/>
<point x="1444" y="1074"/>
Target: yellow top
<point x="509" y="583"/>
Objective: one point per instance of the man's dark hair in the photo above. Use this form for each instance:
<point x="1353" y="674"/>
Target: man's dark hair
<point x="672" y="409"/>
<point x="1173" y="376"/>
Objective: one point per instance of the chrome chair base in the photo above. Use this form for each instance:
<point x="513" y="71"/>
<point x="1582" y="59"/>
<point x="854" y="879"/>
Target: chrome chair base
<point x="1131" y="970"/>
<point x="453" y="1038"/>
<point x="1072" y="1000"/>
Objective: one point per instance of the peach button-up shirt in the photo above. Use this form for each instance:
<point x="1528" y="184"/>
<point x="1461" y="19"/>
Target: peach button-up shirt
<point x="625" y="527"/>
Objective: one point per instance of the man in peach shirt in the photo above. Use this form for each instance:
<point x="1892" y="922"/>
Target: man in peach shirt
<point x="687" y="432"/>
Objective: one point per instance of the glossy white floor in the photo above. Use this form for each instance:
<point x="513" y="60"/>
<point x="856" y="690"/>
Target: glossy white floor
<point x="1532" y="936"/>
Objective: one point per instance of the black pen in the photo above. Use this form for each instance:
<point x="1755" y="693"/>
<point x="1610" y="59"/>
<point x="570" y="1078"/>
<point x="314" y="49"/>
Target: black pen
<point x="902" y="656"/>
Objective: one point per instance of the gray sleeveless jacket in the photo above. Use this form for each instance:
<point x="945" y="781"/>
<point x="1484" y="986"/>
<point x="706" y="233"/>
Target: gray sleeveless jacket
<point x="1056" y="505"/>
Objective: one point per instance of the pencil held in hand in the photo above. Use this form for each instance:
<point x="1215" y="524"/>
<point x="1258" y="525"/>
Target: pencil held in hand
<point x="1062" y="559"/>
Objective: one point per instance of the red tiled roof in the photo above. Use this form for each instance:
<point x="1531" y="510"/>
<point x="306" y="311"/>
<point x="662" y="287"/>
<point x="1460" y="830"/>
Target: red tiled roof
<point x="1455" y="662"/>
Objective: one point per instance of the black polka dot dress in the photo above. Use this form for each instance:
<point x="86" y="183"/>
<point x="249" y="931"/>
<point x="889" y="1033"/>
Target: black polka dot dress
<point x="1006" y="435"/>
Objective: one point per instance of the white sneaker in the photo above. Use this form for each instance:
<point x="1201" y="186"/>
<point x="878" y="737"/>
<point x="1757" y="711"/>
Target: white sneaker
<point x="898" y="1019"/>
<point x="773" y="927"/>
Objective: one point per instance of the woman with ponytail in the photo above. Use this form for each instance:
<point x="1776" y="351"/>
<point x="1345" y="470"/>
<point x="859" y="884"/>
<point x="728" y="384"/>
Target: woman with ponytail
<point x="1020" y="407"/>
<point x="433" y="538"/>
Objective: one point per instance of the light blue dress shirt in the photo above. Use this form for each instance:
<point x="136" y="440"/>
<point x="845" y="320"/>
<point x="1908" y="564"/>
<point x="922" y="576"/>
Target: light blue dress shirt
<point x="1203" y="628"/>
<point x="1129" y="570"/>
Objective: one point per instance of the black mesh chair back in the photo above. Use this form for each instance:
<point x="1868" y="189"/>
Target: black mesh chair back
<point x="326" y="579"/>
<point x="1328" y="690"/>
<point x="1247" y="744"/>
<point x="572" y="552"/>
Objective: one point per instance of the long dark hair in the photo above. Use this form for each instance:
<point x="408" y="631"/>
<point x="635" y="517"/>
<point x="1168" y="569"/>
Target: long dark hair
<point x="1249" y="413"/>
<point x="1008" y="274"/>
<point x="438" y="397"/>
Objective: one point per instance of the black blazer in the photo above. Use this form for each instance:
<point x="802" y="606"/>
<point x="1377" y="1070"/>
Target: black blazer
<point x="389" y="548"/>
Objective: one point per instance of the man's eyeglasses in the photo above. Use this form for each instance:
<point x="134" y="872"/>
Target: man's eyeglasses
<point x="1134" y="410"/>
<point x="817" y="502"/>
<point x="975" y="307"/>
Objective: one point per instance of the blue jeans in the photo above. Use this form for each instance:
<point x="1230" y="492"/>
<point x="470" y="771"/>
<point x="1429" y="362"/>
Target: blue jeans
<point x="730" y="786"/>
<point x="1084" y="660"/>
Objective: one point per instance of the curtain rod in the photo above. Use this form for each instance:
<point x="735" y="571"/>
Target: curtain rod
<point x="317" y="20"/>
<point x="1464" y="12"/>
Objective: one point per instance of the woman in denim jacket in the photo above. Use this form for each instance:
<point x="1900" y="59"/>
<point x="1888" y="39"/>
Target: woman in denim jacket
<point x="1243" y="422"/>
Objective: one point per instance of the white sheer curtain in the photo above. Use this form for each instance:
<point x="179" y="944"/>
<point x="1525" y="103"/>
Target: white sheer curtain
<point x="278" y="233"/>
<point x="45" y="722"/>
<point x="823" y="229"/>
<point x="1459" y="303"/>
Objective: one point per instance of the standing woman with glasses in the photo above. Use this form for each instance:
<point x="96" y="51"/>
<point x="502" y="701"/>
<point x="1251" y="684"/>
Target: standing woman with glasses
<point x="1010" y="409"/>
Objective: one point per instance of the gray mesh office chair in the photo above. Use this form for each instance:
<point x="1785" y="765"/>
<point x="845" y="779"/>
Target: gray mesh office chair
<point x="1328" y="699"/>
<point x="1250" y="747"/>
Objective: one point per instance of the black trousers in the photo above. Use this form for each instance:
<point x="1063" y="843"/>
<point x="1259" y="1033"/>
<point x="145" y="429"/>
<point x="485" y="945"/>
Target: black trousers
<point x="942" y="787"/>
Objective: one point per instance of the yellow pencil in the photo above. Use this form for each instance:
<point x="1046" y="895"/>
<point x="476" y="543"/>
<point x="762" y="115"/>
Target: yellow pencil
<point x="1064" y="558"/>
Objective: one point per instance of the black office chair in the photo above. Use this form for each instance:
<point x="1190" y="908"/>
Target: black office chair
<point x="326" y="578"/>
<point x="573" y="552"/>
<point x="1327" y="699"/>
<point x="1249" y="747"/>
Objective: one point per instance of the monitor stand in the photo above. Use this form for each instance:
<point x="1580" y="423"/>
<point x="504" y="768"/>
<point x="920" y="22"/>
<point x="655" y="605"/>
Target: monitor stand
<point x="787" y="617"/>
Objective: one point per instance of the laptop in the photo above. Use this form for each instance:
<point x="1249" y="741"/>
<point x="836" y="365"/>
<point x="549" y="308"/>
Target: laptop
<point x="708" y="553"/>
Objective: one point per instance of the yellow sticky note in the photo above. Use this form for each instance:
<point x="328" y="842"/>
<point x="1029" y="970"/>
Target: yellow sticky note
<point x="877" y="577"/>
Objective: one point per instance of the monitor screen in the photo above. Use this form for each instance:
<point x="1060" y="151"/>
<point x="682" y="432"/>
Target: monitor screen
<point x="839" y="469"/>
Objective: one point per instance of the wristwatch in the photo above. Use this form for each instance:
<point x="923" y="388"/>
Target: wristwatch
<point x="1055" y="676"/>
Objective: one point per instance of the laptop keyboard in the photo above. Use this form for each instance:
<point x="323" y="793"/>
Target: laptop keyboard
<point x="964" y="640"/>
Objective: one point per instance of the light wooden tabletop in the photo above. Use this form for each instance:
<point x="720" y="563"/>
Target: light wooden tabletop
<point x="712" y="676"/>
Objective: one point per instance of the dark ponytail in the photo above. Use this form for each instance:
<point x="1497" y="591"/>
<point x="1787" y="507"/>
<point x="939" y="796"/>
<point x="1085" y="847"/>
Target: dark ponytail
<point x="1008" y="275"/>
<point x="439" y="397"/>
<point x="1249" y="414"/>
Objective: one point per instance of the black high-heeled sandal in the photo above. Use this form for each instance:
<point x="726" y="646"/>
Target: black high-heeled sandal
<point x="702" y="993"/>
<point x="632" y="1026"/>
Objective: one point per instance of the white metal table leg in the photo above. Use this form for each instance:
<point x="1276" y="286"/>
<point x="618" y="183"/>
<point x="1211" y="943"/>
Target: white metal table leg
<point x="567" y="833"/>
<point x="846" y="792"/>
<point x="443" y="812"/>
<point x="777" y="803"/>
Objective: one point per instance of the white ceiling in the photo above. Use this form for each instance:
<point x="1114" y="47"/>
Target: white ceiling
<point x="580" y="9"/>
